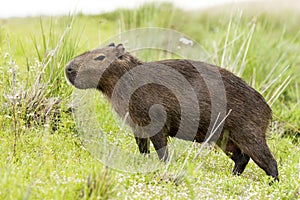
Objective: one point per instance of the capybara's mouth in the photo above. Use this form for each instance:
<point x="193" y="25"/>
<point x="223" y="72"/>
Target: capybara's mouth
<point x="70" y="73"/>
<point x="71" y="78"/>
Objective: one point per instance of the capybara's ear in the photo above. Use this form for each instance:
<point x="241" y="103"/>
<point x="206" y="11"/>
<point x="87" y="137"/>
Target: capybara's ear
<point x="111" y="44"/>
<point x="120" y="51"/>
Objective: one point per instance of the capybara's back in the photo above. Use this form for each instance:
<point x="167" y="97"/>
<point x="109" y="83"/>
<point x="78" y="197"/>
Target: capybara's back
<point x="187" y="99"/>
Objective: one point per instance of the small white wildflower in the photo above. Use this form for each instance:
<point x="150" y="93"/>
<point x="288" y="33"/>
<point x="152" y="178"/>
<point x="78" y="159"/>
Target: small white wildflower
<point x="186" y="41"/>
<point x="51" y="53"/>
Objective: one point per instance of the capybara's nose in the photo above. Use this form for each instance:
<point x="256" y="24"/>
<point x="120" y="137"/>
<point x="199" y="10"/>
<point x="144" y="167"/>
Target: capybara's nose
<point x="69" y="69"/>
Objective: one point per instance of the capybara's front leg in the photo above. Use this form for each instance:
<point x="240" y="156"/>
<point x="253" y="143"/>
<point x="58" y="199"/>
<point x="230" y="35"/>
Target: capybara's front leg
<point x="159" y="142"/>
<point x="234" y="152"/>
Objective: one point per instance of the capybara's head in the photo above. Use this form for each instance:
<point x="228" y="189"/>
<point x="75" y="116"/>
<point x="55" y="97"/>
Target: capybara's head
<point x="85" y="70"/>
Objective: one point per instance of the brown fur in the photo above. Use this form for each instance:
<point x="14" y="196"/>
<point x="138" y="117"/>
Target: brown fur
<point x="246" y="124"/>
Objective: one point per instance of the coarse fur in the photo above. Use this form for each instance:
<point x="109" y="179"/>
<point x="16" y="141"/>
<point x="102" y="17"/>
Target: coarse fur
<point x="246" y="125"/>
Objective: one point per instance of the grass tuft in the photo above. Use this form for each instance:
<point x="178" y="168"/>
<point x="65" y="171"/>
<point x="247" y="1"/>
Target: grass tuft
<point x="98" y="186"/>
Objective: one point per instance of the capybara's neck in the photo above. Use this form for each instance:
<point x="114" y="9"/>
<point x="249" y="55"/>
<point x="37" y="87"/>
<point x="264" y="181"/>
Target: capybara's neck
<point x="115" y="71"/>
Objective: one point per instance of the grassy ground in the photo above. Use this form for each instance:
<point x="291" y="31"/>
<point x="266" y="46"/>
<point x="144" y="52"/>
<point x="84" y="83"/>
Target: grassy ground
<point x="43" y="156"/>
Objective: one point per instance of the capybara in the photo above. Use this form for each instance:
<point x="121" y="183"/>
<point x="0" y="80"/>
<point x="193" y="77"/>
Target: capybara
<point x="163" y="98"/>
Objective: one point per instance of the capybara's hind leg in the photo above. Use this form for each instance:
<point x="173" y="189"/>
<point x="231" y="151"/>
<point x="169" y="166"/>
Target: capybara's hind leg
<point x="234" y="152"/>
<point x="258" y="150"/>
<point x="159" y="142"/>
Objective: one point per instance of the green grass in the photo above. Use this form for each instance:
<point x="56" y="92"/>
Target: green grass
<point x="43" y="156"/>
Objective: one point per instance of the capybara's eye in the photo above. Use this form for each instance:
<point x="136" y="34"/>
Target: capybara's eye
<point x="100" y="57"/>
